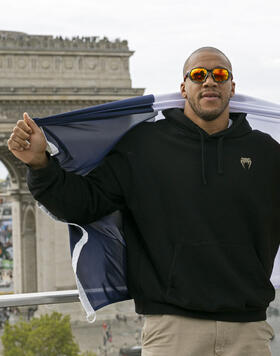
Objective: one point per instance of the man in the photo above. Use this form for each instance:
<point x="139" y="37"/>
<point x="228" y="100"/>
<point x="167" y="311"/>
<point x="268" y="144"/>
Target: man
<point x="200" y="200"/>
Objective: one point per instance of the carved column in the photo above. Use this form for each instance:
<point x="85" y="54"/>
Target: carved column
<point x="29" y="253"/>
<point x="17" y="242"/>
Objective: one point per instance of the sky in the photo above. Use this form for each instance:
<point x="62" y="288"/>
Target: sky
<point x="164" y="32"/>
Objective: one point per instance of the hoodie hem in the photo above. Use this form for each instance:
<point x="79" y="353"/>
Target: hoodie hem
<point x="153" y="308"/>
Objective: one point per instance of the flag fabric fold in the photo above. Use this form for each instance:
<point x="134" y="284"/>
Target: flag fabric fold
<point x="80" y="139"/>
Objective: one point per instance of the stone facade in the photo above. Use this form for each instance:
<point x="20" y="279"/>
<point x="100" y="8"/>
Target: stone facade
<point x="43" y="67"/>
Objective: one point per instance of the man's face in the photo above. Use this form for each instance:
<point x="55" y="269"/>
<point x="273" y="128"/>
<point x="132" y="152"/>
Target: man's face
<point x="210" y="99"/>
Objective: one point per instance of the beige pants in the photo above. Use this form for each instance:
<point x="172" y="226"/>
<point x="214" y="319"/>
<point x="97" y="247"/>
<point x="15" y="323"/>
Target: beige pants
<point x="170" y="335"/>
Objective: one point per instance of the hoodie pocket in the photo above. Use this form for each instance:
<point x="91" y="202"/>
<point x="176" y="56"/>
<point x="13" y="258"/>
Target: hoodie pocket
<point x="215" y="277"/>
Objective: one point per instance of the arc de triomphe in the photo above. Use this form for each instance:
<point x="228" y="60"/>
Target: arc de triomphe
<point x="44" y="75"/>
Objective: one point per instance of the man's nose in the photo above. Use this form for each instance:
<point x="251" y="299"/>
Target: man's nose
<point x="210" y="81"/>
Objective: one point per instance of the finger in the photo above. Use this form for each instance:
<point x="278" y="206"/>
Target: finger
<point x="14" y="146"/>
<point x="22" y="125"/>
<point x="17" y="131"/>
<point x="18" y="140"/>
<point x="30" y="122"/>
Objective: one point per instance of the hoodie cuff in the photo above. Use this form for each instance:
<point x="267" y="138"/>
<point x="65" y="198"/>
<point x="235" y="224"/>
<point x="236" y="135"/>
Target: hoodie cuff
<point x="49" y="171"/>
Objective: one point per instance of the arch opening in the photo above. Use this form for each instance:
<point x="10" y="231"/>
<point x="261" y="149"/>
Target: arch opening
<point x="6" y="239"/>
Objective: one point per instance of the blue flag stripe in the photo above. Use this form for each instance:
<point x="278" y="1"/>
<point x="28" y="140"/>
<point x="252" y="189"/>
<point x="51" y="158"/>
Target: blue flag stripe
<point x="127" y="107"/>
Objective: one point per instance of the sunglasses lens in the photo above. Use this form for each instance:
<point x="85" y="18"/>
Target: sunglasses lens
<point x="220" y="74"/>
<point x="198" y="74"/>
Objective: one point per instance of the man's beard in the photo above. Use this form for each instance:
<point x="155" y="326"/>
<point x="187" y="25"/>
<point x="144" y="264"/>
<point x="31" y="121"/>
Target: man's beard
<point x="208" y="115"/>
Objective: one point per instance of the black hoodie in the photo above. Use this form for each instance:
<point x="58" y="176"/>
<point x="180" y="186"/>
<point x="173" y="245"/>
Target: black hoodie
<point x="201" y="214"/>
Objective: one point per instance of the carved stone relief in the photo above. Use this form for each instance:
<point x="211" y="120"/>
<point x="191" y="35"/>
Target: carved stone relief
<point x="45" y="63"/>
<point x="91" y="63"/>
<point x="114" y="64"/>
<point x="21" y="62"/>
<point x="14" y="66"/>
<point x="68" y="63"/>
<point x="13" y="112"/>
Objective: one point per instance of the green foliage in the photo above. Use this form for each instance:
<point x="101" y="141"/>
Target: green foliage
<point x="49" y="335"/>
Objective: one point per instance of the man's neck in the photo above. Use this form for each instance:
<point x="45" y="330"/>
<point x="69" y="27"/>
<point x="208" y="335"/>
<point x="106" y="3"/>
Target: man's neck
<point x="211" y="127"/>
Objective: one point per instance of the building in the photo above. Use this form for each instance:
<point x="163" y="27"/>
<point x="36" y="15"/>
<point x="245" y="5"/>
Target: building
<point x="43" y="75"/>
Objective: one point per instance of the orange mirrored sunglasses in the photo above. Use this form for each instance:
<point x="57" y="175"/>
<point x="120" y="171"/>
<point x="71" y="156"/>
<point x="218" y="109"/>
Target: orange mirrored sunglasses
<point x="200" y="74"/>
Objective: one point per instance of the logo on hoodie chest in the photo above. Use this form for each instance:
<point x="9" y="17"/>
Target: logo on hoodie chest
<point x="246" y="162"/>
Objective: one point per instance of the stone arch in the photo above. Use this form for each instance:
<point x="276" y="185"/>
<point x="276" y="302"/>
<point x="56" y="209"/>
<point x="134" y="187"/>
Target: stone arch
<point x="23" y="234"/>
<point x="12" y="171"/>
<point x="16" y="169"/>
<point x="29" y="253"/>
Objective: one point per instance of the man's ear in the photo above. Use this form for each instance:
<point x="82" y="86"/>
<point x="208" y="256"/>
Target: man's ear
<point x="183" y="90"/>
<point x="232" y="92"/>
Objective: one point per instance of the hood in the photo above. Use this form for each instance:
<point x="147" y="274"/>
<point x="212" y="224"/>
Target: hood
<point x="238" y="128"/>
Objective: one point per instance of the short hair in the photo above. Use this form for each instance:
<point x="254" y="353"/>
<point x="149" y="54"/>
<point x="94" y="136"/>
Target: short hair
<point x="205" y="49"/>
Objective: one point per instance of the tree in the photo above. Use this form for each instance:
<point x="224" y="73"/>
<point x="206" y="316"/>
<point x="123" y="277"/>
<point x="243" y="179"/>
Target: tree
<point x="49" y="335"/>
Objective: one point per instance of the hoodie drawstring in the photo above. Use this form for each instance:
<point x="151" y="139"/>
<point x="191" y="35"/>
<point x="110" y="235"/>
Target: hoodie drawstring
<point x="203" y="153"/>
<point x="220" y="155"/>
<point x="220" y="167"/>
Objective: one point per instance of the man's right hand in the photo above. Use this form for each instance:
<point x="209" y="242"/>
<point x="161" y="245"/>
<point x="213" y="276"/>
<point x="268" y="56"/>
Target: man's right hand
<point x="28" y="143"/>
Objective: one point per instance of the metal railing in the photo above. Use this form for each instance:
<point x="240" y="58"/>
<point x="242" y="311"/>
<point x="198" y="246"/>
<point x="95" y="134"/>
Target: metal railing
<point x="27" y="299"/>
